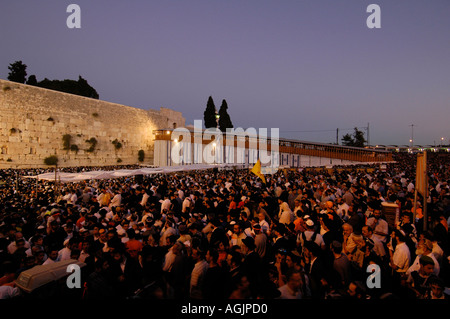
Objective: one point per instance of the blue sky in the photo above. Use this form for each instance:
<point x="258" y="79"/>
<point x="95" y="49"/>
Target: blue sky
<point x="305" y="67"/>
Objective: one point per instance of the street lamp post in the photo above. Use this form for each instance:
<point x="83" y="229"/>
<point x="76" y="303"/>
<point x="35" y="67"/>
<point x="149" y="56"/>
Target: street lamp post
<point x="412" y="135"/>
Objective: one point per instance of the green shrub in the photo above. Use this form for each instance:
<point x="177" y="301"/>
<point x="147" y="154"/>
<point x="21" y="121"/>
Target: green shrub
<point x="117" y="144"/>
<point x="141" y="155"/>
<point x="74" y="148"/>
<point x="93" y="142"/>
<point x="66" y="141"/>
<point x="51" y="160"/>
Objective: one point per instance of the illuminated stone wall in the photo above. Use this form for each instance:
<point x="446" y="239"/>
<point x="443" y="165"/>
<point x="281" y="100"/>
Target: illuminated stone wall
<point x="33" y="122"/>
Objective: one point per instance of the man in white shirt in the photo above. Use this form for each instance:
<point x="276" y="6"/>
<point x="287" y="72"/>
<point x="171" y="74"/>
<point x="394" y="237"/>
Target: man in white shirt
<point x="347" y="197"/>
<point x="237" y="236"/>
<point x="265" y="227"/>
<point x="401" y="257"/>
<point x="424" y="248"/>
<point x="12" y="247"/>
<point x="285" y="215"/>
<point x="310" y="235"/>
<point x="52" y="257"/>
<point x="165" y="204"/>
<point x="147" y="217"/>
<point x="291" y="290"/>
<point x="197" y="274"/>
<point x="180" y="193"/>
<point x="187" y="204"/>
<point x="64" y="254"/>
<point x="67" y="196"/>
<point x="410" y="187"/>
<point x="116" y="200"/>
<point x="378" y="248"/>
<point x="8" y="292"/>
<point x="299" y="208"/>
<point x="84" y="250"/>
<point x="342" y="208"/>
<point x="403" y="181"/>
<point x="166" y="231"/>
<point x="380" y="226"/>
<point x="104" y="198"/>
<point x="170" y="256"/>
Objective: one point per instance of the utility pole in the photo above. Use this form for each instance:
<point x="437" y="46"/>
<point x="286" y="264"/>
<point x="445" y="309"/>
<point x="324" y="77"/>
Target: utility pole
<point x="368" y="136"/>
<point x="337" y="136"/>
<point x="412" y="135"/>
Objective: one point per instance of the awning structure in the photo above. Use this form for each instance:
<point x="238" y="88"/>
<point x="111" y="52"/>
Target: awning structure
<point x="77" y="177"/>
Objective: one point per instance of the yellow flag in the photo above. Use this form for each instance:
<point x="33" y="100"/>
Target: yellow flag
<point x="421" y="183"/>
<point x="257" y="171"/>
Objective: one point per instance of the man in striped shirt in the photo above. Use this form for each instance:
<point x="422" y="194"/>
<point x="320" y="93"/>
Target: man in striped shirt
<point x="198" y="274"/>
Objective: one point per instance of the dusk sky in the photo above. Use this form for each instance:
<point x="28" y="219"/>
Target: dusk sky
<point x="306" y="67"/>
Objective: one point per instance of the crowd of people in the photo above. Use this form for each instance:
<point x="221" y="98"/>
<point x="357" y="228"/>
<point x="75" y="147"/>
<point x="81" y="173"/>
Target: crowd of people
<point x="223" y="234"/>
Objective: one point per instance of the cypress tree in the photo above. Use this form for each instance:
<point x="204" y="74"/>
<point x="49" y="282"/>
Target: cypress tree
<point x="224" y="119"/>
<point x="209" y="116"/>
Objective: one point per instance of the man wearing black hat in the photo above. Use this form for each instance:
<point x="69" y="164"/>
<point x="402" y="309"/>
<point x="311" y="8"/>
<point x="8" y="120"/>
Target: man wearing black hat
<point x="55" y="236"/>
<point x="260" y="241"/>
<point x="341" y="265"/>
<point x="406" y="225"/>
<point x="251" y="265"/>
<point x="315" y="269"/>
<point x="126" y="271"/>
<point x="279" y="241"/>
<point x="237" y="235"/>
<point x="378" y="247"/>
<point x="218" y="233"/>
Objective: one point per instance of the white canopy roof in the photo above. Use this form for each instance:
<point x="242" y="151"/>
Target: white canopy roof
<point x="76" y="177"/>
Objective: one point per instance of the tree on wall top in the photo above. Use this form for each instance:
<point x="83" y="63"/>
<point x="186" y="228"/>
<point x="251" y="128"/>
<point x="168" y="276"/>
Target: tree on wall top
<point x="18" y="72"/>
<point x="81" y="87"/>
<point x="32" y="80"/>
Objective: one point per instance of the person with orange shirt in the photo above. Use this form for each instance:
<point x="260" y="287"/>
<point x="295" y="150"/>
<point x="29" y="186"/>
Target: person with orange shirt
<point x="133" y="246"/>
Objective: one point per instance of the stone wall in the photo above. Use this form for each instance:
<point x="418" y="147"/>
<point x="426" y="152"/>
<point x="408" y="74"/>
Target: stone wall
<point x="33" y="122"/>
